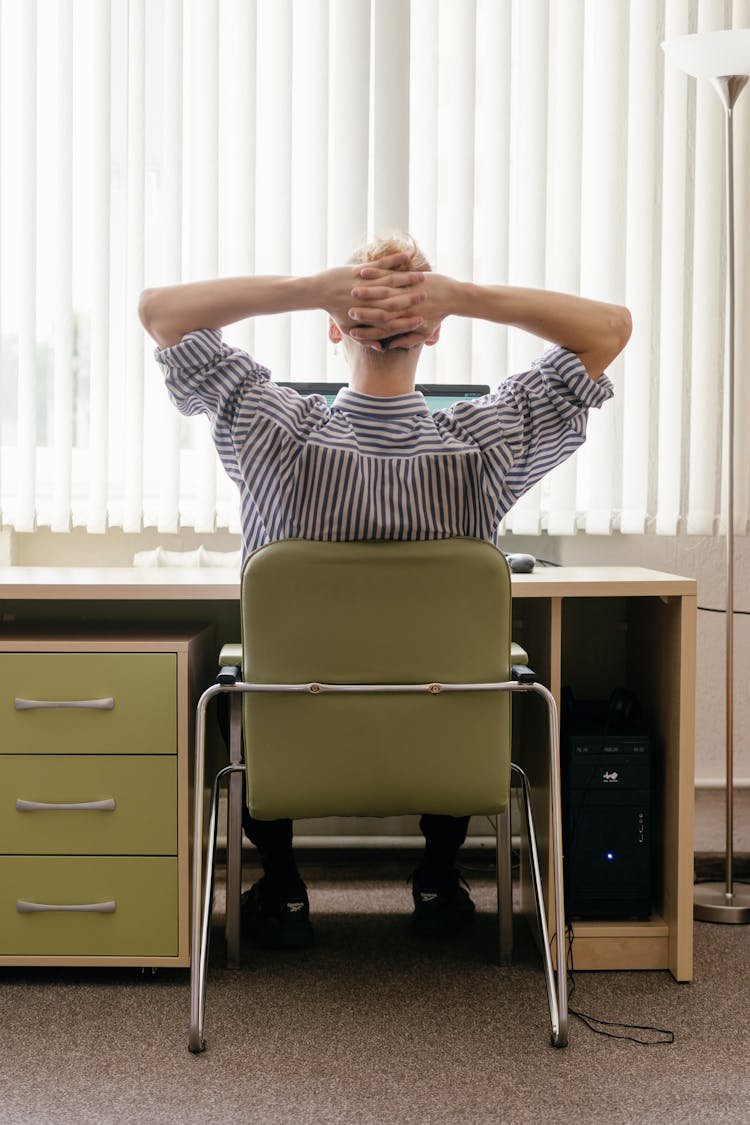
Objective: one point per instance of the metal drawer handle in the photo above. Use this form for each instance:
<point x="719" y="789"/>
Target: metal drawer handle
<point x="106" y="805"/>
<point x="82" y="908"/>
<point x="47" y="704"/>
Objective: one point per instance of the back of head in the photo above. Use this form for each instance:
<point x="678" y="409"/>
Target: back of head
<point x="395" y="243"/>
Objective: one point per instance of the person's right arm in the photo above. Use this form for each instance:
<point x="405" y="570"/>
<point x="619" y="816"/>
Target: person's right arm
<point x="171" y="312"/>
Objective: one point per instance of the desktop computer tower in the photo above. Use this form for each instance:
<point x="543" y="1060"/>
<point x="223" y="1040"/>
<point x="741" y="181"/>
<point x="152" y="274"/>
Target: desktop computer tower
<point x="607" y="802"/>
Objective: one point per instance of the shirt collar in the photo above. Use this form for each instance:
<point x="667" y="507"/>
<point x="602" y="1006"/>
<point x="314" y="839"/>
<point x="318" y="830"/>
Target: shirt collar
<point x="396" y="406"/>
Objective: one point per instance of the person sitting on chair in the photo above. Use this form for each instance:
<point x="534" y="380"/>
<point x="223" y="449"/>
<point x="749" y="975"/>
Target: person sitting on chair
<point x="308" y="471"/>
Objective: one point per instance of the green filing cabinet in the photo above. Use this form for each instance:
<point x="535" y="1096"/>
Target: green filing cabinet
<point x="95" y="734"/>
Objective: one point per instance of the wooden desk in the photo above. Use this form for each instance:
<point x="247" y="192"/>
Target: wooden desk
<point x="29" y="584"/>
<point x="590" y="628"/>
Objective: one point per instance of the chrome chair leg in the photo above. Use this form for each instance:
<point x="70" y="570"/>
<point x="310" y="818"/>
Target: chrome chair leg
<point x="549" y="972"/>
<point x="557" y="982"/>
<point x="198" y="977"/>
<point x="200" y="920"/>
<point x="234" y="835"/>
<point x="559" y="1032"/>
<point x="201" y="908"/>
<point x="504" y="885"/>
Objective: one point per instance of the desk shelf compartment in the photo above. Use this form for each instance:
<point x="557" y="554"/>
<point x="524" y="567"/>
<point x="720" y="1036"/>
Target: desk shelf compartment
<point x="634" y="630"/>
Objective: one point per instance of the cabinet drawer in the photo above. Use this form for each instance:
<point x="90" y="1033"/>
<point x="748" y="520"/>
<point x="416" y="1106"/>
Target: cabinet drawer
<point x="143" y="820"/>
<point x="88" y="703"/>
<point x="136" y="899"/>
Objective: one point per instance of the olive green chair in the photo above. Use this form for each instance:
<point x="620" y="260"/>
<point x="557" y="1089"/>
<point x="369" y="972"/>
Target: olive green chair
<point x="375" y="680"/>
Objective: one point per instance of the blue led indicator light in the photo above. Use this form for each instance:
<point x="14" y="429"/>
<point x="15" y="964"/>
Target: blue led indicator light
<point x="609" y="855"/>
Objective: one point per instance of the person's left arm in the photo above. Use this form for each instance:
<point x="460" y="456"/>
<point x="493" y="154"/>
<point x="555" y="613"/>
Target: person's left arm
<point x="595" y="331"/>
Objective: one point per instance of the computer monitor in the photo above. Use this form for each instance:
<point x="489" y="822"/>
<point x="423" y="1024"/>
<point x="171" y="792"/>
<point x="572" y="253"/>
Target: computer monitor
<point x="438" y="396"/>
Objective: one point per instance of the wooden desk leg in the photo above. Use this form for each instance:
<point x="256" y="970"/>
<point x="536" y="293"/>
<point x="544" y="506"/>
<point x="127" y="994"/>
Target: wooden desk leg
<point x="504" y="885"/>
<point x="234" y="834"/>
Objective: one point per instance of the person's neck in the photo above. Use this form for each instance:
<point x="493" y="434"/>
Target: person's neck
<point x="384" y="374"/>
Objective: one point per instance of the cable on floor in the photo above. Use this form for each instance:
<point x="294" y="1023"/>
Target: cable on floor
<point x="668" y="1036"/>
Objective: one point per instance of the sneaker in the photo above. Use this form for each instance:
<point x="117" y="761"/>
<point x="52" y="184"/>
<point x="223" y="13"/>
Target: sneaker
<point x="442" y="906"/>
<point x="276" y="919"/>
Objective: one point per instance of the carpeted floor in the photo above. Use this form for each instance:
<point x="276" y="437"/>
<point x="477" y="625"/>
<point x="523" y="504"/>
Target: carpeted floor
<point x="374" y="1026"/>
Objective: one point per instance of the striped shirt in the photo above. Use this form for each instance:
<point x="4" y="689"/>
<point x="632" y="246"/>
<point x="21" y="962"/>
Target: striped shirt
<point x="378" y="468"/>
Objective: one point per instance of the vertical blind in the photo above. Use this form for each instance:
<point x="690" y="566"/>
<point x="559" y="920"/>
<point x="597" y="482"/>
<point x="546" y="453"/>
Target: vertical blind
<point x="531" y="142"/>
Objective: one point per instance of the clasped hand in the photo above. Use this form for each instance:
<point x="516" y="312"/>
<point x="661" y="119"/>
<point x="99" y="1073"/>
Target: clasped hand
<point x="380" y="305"/>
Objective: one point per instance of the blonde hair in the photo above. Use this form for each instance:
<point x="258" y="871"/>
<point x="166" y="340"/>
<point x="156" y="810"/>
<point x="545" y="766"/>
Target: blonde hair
<point x="395" y="243"/>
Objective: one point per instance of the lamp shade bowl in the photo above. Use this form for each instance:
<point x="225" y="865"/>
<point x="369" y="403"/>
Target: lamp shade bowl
<point x="711" y="54"/>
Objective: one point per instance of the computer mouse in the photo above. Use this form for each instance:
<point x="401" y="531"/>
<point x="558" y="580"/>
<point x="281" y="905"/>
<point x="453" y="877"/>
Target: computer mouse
<point x="520" y="563"/>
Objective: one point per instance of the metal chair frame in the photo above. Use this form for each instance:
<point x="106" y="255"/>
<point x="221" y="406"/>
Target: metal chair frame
<point x="556" y="980"/>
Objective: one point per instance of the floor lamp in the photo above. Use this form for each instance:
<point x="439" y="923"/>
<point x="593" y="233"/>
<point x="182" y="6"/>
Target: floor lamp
<point x="724" y="58"/>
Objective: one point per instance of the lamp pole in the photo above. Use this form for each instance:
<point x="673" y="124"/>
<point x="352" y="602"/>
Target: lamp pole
<point x="724" y="58"/>
<point x="712" y="902"/>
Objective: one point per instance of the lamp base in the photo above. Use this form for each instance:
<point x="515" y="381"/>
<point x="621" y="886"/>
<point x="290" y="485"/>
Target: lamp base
<point x="711" y="903"/>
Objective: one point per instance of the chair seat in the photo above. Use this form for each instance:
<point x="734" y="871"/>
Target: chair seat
<point x="231" y="655"/>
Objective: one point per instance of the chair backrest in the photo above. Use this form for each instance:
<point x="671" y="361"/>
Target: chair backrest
<point x="366" y="613"/>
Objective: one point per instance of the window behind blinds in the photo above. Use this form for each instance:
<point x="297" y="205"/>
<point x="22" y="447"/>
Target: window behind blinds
<point x="539" y="143"/>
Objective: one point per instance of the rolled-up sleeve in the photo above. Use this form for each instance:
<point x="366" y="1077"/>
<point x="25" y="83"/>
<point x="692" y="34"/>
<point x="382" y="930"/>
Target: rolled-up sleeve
<point x="257" y="426"/>
<point x="202" y="374"/>
<point x="536" y="420"/>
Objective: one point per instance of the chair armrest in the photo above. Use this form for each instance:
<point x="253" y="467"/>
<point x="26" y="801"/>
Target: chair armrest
<point x="229" y="674"/>
<point x="523" y="674"/>
<point x="232" y="654"/>
<point x="230" y="663"/>
<point x="519" y="665"/>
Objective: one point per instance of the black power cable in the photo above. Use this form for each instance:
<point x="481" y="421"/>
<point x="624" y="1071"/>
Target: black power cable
<point x="668" y="1037"/>
<point x="714" y="609"/>
<point x="585" y="1017"/>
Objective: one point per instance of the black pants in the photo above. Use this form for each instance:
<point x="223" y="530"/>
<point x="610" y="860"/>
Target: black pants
<point x="443" y="835"/>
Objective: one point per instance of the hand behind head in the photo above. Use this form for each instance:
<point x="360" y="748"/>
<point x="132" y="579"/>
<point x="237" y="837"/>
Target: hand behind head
<point x="427" y="335"/>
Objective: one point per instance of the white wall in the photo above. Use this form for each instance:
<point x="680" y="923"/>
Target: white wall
<point x="694" y="557"/>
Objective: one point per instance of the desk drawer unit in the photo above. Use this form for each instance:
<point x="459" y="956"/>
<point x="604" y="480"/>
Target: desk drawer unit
<point x="94" y="736"/>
